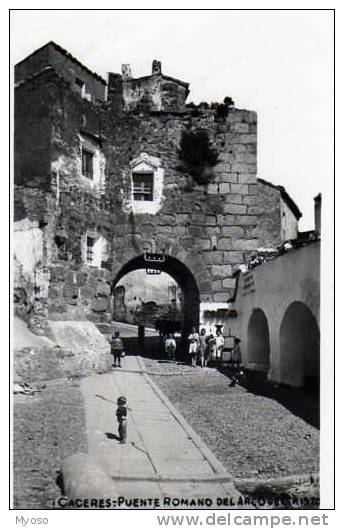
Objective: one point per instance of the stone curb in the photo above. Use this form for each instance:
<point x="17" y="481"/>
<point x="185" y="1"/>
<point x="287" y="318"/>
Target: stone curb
<point x="294" y="479"/>
<point x="214" y="463"/>
<point x="167" y="479"/>
<point x="153" y="373"/>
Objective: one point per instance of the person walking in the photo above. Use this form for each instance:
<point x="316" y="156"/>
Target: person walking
<point x="202" y="350"/>
<point x="193" y="345"/>
<point x="211" y="349"/>
<point x="117" y="349"/>
<point x="170" y="347"/>
<point x="220" y="342"/>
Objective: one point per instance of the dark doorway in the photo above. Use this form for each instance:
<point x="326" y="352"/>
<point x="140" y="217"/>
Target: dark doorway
<point x="258" y="342"/>
<point x="299" y="346"/>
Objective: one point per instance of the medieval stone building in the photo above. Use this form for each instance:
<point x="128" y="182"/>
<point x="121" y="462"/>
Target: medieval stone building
<point x="116" y="176"/>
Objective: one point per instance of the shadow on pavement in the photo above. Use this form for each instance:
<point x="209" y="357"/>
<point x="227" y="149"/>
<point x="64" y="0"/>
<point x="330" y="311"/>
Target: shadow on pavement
<point x="302" y="402"/>
<point x="111" y="435"/>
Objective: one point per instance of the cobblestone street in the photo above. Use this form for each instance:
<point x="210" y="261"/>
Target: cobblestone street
<point x="252" y="434"/>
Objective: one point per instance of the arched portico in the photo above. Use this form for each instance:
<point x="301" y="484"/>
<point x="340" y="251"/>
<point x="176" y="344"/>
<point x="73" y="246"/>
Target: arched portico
<point x="286" y="293"/>
<point x="299" y="345"/>
<point x="258" y="342"/>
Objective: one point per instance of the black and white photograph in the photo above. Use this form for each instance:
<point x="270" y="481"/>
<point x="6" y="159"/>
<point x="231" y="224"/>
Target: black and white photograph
<point x="172" y="223"/>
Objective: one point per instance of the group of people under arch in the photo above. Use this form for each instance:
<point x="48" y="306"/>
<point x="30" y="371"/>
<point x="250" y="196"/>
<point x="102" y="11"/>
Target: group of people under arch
<point x="207" y="348"/>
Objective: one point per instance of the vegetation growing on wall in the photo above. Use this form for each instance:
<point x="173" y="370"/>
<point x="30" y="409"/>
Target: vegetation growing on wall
<point x="222" y="109"/>
<point x="197" y="155"/>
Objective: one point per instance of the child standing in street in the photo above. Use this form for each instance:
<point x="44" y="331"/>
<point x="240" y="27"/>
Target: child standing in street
<point x="121" y="415"/>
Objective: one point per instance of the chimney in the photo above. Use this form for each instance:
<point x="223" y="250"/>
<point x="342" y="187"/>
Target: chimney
<point x="156" y="67"/>
<point x="115" y="89"/>
<point x="126" y="72"/>
<point x="317" y="214"/>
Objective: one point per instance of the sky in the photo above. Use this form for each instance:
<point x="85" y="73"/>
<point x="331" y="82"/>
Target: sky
<point x="278" y="63"/>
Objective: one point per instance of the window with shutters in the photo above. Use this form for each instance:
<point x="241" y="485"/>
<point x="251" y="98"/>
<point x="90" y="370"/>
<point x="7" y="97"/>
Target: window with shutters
<point x="143" y="186"/>
<point x="145" y="193"/>
<point x="87" y="163"/>
<point x="89" y="249"/>
<point x="91" y="161"/>
<point x="61" y="245"/>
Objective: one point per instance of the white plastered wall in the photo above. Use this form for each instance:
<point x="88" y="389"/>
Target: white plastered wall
<point x="28" y="245"/>
<point x="99" y="249"/>
<point x="289" y="223"/>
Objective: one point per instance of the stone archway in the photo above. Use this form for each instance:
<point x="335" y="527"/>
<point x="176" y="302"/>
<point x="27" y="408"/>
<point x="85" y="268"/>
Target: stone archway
<point x="182" y="275"/>
<point x="299" y="345"/>
<point x="258" y="342"/>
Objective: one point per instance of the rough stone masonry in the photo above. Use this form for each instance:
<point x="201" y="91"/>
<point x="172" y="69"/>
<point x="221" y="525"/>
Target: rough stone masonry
<point x="100" y="179"/>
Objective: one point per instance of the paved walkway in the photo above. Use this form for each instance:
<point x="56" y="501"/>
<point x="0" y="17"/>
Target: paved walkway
<point x="163" y="456"/>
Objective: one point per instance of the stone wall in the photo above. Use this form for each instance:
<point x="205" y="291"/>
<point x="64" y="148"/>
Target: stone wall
<point x="268" y="204"/>
<point x="173" y="95"/>
<point x="278" y="215"/>
<point x="33" y="364"/>
<point x="69" y="206"/>
<point x="82" y="209"/>
<point x="142" y="94"/>
<point x="32" y="133"/>
<point x="74" y="348"/>
<point x="209" y="228"/>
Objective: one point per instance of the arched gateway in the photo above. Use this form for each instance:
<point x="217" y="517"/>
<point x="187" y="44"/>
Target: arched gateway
<point x="180" y="273"/>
